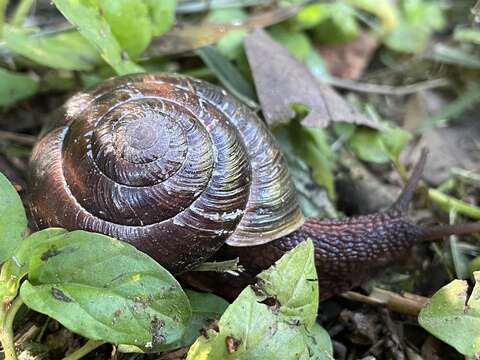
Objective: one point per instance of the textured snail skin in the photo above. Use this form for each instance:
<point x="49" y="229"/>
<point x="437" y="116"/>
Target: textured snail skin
<point x="347" y="252"/>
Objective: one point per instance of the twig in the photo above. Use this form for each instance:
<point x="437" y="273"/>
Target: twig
<point x="30" y="333"/>
<point x="408" y="304"/>
<point x="230" y="266"/>
<point x="387" y="89"/>
<point x="174" y="355"/>
<point x="23" y="139"/>
<point x="42" y="330"/>
<point x="476" y="11"/>
<point x="447" y="202"/>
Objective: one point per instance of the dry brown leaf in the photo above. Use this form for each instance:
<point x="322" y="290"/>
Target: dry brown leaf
<point x="451" y="147"/>
<point x="347" y="61"/>
<point x="186" y="37"/>
<point x="281" y="80"/>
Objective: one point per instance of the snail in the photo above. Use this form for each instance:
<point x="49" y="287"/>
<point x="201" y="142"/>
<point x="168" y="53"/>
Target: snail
<point x="184" y="172"/>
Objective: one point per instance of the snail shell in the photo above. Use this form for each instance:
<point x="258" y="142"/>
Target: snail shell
<point x="173" y="165"/>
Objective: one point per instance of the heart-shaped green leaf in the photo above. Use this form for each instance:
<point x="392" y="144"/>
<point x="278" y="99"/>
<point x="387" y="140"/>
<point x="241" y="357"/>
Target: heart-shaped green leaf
<point x="206" y="309"/>
<point x="276" y="320"/>
<point x="294" y="285"/>
<point x="15" y="268"/>
<point x="454" y="319"/>
<point x="105" y="289"/>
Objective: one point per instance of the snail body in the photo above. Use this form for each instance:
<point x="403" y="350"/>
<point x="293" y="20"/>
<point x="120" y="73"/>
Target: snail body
<point x="183" y="171"/>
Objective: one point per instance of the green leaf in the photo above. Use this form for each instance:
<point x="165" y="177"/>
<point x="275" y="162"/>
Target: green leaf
<point x="223" y="15"/>
<point x="245" y="325"/>
<point x="87" y="16"/>
<point x="13" y="221"/>
<point x="453" y="318"/>
<point x="275" y="318"/>
<point x="15" y="87"/>
<point x="311" y="146"/>
<point x="395" y="139"/>
<point x="297" y="43"/>
<point x="105" y="289"/>
<point x="319" y="343"/>
<point x="130" y="24"/>
<point x="15" y="269"/>
<point x="379" y="146"/>
<point x="340" y="26"/>
<point x="385" y="10"/>
<point x="311" y="15"/>
<point x="419" y="20"/>
<point x="206" y="308"/>
<point x="29" y="244"/>
<point x="467" y="35"/>
<point x="162" y="14"/>
<point x="293" y="283"/>
<point x="474" y="265"/>
<point x="231" y="44"/>
<point x="368" y="146"/>
<point x="313" y="200"/>
<point x="68" y="51"/>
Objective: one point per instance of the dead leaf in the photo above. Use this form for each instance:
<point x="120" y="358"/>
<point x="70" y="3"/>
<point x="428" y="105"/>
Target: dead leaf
<point x="362" y="327"/>
<point x="455" y="146"/>
<point x="187" y="37"/>
<point x="281" y="81"/>
<point x="348" y="60"/>
<point x="415" y="111"/>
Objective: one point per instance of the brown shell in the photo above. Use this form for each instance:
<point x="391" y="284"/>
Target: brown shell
<point x="173" y="165"/>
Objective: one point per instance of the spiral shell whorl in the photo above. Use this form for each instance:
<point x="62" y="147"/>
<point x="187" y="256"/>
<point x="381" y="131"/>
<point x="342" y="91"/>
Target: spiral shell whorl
<point x="151" y="160"/>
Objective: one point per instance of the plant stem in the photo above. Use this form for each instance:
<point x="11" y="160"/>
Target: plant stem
<point x="8" y="345"/>
<point x="230" y="266"/>
<point x="6" y="330"/>
<point x="448" y="202"/>
<point x="89" y="346"/>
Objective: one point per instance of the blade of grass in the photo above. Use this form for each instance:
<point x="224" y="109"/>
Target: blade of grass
<point x="228" y="74"/>
<point x="20" y="12"/>
<point x="3" y="7"/>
